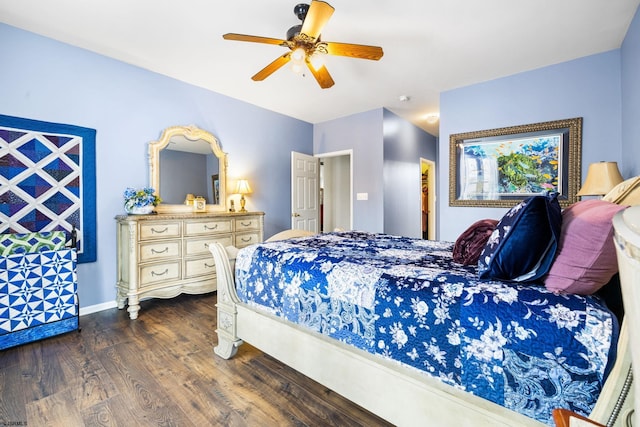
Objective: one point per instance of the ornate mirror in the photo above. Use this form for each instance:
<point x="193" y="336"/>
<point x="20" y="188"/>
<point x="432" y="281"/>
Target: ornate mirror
<point x="188" y="161"/>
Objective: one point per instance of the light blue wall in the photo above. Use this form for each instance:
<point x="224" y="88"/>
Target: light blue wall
<point x="404" y="145"/>
<point x="588" y="87"/>
<point x="128" y="106"/>
<point x="386" y="166"/>
<point x="631" y="100"/>
<point x="363" y="134"/>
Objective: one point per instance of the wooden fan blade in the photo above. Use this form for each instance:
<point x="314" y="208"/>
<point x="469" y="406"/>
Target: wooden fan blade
<point x="317" y="16"/>
<point x="254" y="39"/>
<point x="271" y="68"/>
<point x="354" y="50"/>
<point x="322" y="75"/>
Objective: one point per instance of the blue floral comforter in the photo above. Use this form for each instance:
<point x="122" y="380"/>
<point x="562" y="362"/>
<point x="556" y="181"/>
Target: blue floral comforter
<point x="517" y="345"/>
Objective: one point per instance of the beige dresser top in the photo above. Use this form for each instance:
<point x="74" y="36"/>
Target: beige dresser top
<point x="155" y="217"/>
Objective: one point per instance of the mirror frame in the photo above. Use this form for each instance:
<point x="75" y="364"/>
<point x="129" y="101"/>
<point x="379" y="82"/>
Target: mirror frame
<point x="192" y="133"/>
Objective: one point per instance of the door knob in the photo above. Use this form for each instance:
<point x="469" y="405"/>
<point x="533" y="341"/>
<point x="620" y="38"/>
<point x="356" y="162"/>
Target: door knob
<point x="295" y="214"/>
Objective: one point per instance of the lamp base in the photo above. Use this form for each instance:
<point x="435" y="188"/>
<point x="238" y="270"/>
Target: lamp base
<point x="242" y="202"/>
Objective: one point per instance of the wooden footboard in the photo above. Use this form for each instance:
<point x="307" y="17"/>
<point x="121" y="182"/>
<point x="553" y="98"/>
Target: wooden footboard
<point x="399" y="394"/>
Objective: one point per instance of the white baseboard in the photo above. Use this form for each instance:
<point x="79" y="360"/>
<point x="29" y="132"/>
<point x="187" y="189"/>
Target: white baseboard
<point x="97" y="307"/>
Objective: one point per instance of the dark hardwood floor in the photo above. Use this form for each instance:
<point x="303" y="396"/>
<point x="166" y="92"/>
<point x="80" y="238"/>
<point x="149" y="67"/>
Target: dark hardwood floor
<point x="160" y="370"/>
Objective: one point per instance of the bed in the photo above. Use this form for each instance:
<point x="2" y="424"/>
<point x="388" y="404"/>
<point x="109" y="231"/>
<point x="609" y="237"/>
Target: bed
<point x="418" y="337"/>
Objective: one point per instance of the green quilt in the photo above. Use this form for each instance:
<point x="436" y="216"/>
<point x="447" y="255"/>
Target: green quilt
<point x="15" y="243"/>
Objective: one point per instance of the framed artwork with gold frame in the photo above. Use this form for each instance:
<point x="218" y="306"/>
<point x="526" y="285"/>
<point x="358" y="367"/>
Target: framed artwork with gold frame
<point x="501" y="167"/>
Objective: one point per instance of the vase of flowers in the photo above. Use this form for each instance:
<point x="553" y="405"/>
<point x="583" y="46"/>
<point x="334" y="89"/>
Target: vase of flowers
<point x="141" y="201"/>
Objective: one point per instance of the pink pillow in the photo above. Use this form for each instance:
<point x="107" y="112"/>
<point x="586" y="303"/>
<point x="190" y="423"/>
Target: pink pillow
<point x="586" y="258"/>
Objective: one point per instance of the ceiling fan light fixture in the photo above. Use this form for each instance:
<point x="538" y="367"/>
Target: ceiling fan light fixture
<point x="317" y="60"/>
<point x="297" y="67"/>
<point x="298" y="55"/>
<point x="432" y="118"/>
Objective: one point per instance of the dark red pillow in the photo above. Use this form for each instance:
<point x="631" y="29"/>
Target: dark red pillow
<point x="469" y="245"/>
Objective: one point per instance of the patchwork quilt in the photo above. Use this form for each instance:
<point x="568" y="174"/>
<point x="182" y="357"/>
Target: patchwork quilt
<point x="518" y="345"/>
<point x="38" y="296"/>
<point x="13" y="243"/>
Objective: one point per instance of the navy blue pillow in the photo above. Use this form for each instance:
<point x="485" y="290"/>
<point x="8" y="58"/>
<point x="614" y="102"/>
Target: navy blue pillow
<point x="524" y="243"/>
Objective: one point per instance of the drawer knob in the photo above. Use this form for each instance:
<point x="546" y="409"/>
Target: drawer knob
<point x="206" y="227"/>
<point x="166" y="271"/>
<point x="153" y="251"/>
<point x="245" y="224"/>
<point x="209" y="265"/>
<point x="245" y="239"/>
<point x="164" y="230"/>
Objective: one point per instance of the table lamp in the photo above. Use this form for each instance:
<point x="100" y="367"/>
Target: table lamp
<point x="242" y="188"/>
<point x="601" y="178"/>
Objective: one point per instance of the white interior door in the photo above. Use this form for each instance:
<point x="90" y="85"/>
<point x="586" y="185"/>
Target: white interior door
<point x="305" y="187"/>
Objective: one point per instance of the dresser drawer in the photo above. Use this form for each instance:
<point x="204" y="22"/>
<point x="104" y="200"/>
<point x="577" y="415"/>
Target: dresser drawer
<point x="199" y="267"/>
<point x="243" y="224"/>
<point x="195" y="228"/>
<point x="159" y="230"/>
<point x="159" y="250"/>
<point x="161" y="272"/>
<point x="246" y="239"/>
<point x="199" y="246"/>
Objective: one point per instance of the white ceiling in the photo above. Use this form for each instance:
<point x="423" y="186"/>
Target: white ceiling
<point x="430" y="46"/>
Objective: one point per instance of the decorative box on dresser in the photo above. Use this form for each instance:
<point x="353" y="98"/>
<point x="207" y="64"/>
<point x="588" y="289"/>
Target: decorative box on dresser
<point x="164" y="255"/>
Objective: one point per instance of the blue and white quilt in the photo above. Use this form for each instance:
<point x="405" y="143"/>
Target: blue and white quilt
<point x="517" y="345"/>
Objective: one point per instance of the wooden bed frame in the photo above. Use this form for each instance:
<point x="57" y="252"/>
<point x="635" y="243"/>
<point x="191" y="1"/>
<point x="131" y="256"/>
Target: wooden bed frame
<point x="626" y="224"/>
<point x="398" y="394"/>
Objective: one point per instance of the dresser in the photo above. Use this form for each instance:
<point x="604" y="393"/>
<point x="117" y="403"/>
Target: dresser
<point x="164" y="255"/>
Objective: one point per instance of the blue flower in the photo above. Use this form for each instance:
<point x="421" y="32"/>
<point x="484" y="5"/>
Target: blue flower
<point x="141" y="197"/>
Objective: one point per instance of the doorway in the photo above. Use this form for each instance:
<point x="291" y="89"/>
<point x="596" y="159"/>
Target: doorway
<point x="336" y="201"/>
<point x="428" y="203"/>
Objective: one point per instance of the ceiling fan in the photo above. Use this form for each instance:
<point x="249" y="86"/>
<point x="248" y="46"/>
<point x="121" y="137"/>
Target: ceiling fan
<point x="305" y="45"/>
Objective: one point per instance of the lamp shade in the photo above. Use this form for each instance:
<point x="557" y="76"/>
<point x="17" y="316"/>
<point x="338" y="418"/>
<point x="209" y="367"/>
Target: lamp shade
<point x="601" y="178"/>
<point x="243" y="187"/>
